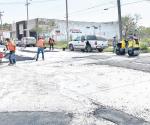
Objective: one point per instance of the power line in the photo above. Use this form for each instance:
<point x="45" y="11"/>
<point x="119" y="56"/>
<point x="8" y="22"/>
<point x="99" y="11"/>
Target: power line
<point x="93" y="7"/>
<point x="16" y="2"/>
<point x="88" y="9"/>
<point x="125" y="4"/>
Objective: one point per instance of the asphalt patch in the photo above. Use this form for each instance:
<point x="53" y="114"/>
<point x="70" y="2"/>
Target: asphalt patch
<point x="20" y="58"/>
<point x="32" y="51"/>
<point x="118" y="117"/>
<point x="35" y="118"/>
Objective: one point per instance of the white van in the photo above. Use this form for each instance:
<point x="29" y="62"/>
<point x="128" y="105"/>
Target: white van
<point x="28" y="41"/>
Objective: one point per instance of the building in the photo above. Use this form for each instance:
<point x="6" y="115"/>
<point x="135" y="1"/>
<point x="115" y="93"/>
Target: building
<point x="57" y="28"/>
<point x="5" y="31"/>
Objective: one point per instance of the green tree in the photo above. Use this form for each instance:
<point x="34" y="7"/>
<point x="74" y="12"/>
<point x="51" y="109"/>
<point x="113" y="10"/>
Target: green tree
<point x="38" y="30"/>
<point x="129" y="25"/>
<point x="144" y="32"/>
<point x="6" y="26"/>
<point x="43" y="27"/>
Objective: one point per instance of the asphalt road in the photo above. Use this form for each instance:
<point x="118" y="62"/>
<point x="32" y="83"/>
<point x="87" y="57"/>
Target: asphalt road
<point x="35" y="118"/>
<point x="140" y="63"/>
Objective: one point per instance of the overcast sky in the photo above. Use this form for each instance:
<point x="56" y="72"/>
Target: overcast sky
<point x="81" y="10"/>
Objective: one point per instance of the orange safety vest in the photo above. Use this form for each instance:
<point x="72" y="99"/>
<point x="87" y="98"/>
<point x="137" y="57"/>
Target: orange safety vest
<point x="40" y="43"/>
<point x="51" y="41"/>
<point x="11" y="46"/>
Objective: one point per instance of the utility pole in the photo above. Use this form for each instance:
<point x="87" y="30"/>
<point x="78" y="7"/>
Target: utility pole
<point x="119" y="20"/>
<point x="67" y="26"/>
<point x="1" y="38"/>
<point x="27" y="28"/>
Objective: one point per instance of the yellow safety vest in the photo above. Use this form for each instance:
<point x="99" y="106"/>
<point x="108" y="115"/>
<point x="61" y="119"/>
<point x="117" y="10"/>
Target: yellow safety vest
<point x="130" y="43"/>
<point x="123" y="44"/>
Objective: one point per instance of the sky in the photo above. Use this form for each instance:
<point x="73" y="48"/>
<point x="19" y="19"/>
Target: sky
<point x="79" y="10"/>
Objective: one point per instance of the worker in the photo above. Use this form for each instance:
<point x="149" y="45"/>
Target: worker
<point x="12" y="48"/>
<point x="41" y="45"/>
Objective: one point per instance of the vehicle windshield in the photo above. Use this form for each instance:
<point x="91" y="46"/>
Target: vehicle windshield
<point x="77" y="39"/>
<point x="101" y="38"/>
<point x="91" y="37"/>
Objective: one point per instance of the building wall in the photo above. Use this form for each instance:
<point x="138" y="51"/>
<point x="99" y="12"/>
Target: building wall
<point x="13" y="31"/>
<point x="108" y="30"/>
<point x="57" y="28"/>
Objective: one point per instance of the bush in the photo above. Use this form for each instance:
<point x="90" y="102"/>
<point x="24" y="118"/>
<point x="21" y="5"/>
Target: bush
<point x="109" y="49"/>
<point x="144" y="46"/>
<point x="146" y="41"/>
<point x="61" y="44"/>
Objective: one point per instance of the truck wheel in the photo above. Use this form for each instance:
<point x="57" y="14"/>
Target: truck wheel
<point x="100" y="50"/>
<point x="82" y="50"/>
<point x="71" y="48"/>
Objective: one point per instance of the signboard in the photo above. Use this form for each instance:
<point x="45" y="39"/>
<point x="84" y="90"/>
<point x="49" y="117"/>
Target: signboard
<point x="6" y="34"/>
<point x="75" y="30"/>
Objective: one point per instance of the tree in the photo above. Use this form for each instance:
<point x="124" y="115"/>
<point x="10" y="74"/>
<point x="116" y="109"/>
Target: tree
<point x="144" y="32"/>
<point x="38" y="30"/>
<point x="44" y="27"/>
<point x="129" y="25"/>
<point x="6" y="26"/>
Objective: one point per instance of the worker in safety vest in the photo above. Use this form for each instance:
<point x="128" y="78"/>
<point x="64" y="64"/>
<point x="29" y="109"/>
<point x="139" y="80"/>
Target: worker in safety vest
<point x="123" y="44"/>
<point x="51" y="44"/>
<point x="10" y="45"/>
<point x="41" y="45"/>
<point x="132" y="43"/>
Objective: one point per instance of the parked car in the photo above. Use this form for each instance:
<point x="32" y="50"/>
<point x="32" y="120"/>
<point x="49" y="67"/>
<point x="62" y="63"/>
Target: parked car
<point x="17" y="42"/>
<point x="88" y="43"/>
<point x="28" y="41"/>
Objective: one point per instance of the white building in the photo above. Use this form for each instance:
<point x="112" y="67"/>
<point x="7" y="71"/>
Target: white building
<point x="57" y="28"/>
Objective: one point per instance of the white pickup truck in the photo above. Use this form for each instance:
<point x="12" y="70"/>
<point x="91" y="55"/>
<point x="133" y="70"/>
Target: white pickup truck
<point x="28" y="41"/>
<point x="88" y="43"/>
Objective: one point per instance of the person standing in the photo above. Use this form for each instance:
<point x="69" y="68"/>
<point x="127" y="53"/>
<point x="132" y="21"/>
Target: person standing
<point x="40" y="44"/>
<point x="1" y="42"/>
<point x="12" y="48"/>
<point x="51" y="44"/>
<point x="114" y="42"/>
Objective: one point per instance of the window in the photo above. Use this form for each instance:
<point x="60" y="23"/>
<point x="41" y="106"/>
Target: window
<point x="82" y="38"/>
<point x="77" y="39"/>
<point x="101" y="39"/>
<point x="91" y="37"/>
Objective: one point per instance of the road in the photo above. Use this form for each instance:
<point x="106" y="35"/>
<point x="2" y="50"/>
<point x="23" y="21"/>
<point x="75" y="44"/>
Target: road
<point x="75" y="88"/>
